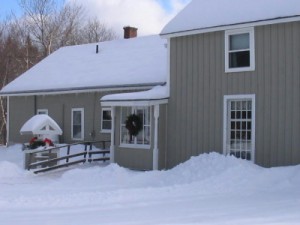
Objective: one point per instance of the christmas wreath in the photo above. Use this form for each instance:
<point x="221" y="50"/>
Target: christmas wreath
<point x="134" y="124"/>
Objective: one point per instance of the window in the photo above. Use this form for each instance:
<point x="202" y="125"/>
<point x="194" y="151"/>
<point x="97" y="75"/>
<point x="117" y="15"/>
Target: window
<point x="239" y="50"/>
<point x="106" y="120"/>
<point x="143" y="138"/>
<point x="77" y="130"/>
<point x="239" y="126"/>
<point x="42" y="111"/>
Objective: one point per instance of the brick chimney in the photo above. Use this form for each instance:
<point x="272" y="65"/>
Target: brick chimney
<point x="130" y="32"/>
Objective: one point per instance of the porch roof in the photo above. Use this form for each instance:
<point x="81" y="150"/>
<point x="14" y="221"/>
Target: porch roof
<point x="154" y="96"/>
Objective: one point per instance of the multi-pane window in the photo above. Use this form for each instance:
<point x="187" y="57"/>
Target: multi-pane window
<point x="239" y="50"/>
<point x="77" y="129"/>
<point x="143" y="137"/>
<point x="239" y="128"/>
<point x="106" y="120"/>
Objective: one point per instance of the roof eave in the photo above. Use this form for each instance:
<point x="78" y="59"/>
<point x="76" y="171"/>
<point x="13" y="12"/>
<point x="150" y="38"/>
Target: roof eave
<point x="134" y="102"/>
<point x="82" y="89"/>
<point x="231" y="26"/>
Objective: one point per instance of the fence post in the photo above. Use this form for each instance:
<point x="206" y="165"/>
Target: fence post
<point x="68" y="153"/>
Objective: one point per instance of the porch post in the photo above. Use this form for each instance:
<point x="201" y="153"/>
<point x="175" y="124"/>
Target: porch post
<point x="155" y="148"/>
<point x="112" y="135"/>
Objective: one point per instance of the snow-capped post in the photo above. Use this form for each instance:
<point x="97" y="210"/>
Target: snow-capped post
<point x="112" y="137"/>
<point x="155" y="148"/>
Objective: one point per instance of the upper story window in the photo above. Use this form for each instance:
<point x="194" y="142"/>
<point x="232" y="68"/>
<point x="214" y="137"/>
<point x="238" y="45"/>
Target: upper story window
<point x="239" y="50"/>
<point x="106" y="120"/>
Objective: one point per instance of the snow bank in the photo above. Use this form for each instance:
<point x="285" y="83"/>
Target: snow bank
<point x="10" y="170"/>
<point x="210" y="189"/>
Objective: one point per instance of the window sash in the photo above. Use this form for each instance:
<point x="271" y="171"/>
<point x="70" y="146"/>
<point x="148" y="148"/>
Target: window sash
<point x="77" y="128"/>
<point x="144" y="136"/>
<point x="106" y="120"/>
<point x="239" y="50"/>
<point x="240" y="128"/>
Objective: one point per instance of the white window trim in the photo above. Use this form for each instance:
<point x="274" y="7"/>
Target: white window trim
<point x="136" y="146"/>
<point x="225" y="118"/>
<point x="82" y="125"/>
<point x="105" y="130"/>
<point x="249" y="30"/>
<point x="42" y="111"/>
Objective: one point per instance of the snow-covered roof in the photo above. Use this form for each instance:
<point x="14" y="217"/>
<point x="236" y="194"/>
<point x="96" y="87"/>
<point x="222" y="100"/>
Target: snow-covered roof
<point x="156" y="94"/>
<point x="204" y="14"/>
<point x="120" y="63"/>
<point x="41" y="124"/>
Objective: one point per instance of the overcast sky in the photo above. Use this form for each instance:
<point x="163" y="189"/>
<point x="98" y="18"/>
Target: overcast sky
<point x="149" y="16"/>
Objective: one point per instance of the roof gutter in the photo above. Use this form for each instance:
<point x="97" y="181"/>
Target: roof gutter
<point x="231" y="26"/>
<point x="82" y="89"/>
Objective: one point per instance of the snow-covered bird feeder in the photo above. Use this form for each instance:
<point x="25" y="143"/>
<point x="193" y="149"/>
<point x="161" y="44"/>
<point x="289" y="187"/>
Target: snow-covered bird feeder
<point x="43" y="127"/>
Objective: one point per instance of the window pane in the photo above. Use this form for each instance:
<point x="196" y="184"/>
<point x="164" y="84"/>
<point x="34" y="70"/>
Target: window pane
<point x="76" y="117"/>
<point x="77" y="131"/>
<point x="106" y="125"/>
<point x="106" y="115"/>
<point x="239" y="41"/>
<point x="239" y="59"/>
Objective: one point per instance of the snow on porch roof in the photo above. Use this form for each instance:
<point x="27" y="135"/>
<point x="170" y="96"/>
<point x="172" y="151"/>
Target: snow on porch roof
<point x="41" y="124"/>
<point x="156" y="95"/>
<point x="119" y="64"/>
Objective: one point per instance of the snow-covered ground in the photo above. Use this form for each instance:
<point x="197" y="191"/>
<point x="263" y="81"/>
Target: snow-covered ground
<point x="209" y="189"/>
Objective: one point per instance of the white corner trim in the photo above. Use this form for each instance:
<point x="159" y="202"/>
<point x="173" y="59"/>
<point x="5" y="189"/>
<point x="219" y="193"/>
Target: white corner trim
<point x="155" y="147"/>
<point x="169" y="67"/>
<point x="225" y="116"/>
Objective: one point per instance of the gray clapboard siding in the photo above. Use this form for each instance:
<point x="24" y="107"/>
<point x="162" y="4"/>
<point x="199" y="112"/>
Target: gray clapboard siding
<point x="199" y="83"/>
<point x="59" y="108"/>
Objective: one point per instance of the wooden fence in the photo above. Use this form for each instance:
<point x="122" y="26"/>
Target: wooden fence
<point x="47" y="159"/>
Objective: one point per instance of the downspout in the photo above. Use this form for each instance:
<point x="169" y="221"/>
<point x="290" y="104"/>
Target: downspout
<point x="7" y="122"/>
<point x="35" y="105"/>
<point x="112" y="137"/>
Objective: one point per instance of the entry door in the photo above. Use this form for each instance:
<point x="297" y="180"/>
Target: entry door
<point x="239" y="123"/>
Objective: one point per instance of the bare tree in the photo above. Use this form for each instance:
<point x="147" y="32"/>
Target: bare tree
<point x="42" y="29"/>
<point x="95" y="31"/>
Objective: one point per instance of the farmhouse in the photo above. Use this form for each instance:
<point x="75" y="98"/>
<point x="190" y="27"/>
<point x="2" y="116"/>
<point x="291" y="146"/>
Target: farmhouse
<point x="223" y="76"/>
<point x="69" y="83"/>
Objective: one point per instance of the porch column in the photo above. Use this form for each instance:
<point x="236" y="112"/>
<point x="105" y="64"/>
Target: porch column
<point x="112" y="135"/>
<point x="155" y="148"/>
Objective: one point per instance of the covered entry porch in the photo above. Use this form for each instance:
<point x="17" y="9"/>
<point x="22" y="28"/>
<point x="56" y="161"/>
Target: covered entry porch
<point x="138" y="128"/>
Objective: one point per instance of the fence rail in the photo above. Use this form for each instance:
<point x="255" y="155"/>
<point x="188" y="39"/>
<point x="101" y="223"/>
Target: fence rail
<point x="43" y="160"/>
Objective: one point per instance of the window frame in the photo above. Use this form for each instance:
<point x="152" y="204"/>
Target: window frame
<point x="122" y="124"/>
<point x="228" y="33"/>
<point x="102" y="120"/>
<point x="81" y="110"/>
<point x="226" y="129"/>
<point x="42" y="111"/>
